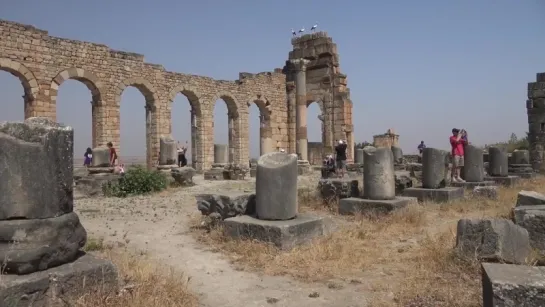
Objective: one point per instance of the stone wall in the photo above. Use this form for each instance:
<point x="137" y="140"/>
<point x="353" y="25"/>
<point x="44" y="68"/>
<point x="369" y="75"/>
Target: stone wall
<point x="315" y="153"/>
<point x="535" y="106"/>
<point x="387" y="139"/>
<point x="44" y="62"/>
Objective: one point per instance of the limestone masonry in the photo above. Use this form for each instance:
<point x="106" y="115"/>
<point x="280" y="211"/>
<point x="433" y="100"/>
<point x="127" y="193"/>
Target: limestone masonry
<point x="44" y="62"/>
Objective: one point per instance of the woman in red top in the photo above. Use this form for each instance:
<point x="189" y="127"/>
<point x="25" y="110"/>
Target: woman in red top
<point x="457" y="141"/>
<point x="113" y="154"/>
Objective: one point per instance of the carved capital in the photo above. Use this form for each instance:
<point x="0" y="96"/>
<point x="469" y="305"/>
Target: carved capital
<point x="300" y="64"/>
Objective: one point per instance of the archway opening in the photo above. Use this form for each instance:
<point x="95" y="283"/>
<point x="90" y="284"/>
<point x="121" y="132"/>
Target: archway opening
<point x="315" y="132"/>
<point x="223" y="127"/>
<point x="185" y="121"/>
<point x="255" y="121"/>
<point x="12" y="102"/>
<point x="134" y="147"/>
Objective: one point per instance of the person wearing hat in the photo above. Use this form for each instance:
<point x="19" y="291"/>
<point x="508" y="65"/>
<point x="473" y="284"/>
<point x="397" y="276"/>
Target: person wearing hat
<point x="457" y="141"/>
<point x="340" y="153"/>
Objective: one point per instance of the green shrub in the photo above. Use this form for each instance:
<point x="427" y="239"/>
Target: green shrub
<point x="136" y="181"/>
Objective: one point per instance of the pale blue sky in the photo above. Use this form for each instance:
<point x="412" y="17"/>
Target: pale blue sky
<point x="421" y="67"/>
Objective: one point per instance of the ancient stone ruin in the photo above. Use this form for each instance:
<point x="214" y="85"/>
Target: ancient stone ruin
<point x="41" y="237"/>
<point x="498" y="167"/>
<point x="535" y="107"/>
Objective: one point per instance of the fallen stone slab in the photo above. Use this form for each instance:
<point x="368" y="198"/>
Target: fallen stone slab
<point x="183" y="175"/>
<point x="495" y="240"/>
<point x="440" y="195"/>
<point x="530" y="198"/>
<point x="227" y="204"/>
<point x="532" y="218"/>
<point x="87" y="275"/>
<point x="490" y="192"/>
<point x="508" y="285"/>
<point x="354" y="205"/>
<point x="507" y="181"/>
<point x="338" y="188"/>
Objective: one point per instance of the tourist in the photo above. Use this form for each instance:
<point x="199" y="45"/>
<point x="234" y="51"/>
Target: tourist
<point x="457" y="142"/>
<point x="113" y="154"/>
<point x="182" y="160"/>
<point x="340" y="153"/>
<point x="421" y="147"/>
<point x="88" y="157"/>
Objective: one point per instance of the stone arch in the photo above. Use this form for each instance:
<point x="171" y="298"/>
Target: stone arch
<point x="315" y="148"/>
<point x="234" y="123"/>
<point x="192" y="95"/>
<point x="230" y="100"/>
<point x="82" y="75"/>
<point x="27" y="78"/>
<point x="264" y="105"/>
<point x="266" y="143"/>
<point x="317" y="101"/>
<point x="144" y="86"/>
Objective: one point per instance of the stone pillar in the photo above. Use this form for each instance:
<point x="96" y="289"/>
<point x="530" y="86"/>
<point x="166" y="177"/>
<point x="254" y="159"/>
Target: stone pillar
<point x="433" y="168"/>
<point x="221" y="153"/>
<point x="167" y="151"/>
<point x="473" y="164"/>
<point x="101" y="157"/>
<point x="359" y="156"/>
<point x="398" y="154"/>
<point x="292" y="110"/>
<point x="39" y="229"/>
<point x="498" y="165"/>
<point x="276" y="186"/>
<point x="194" y="139"/>
<point x="520" y="157"/>
<point x="149" y="154"/>
<point x="378" y="174"/>
<point x="231" y="137"/>
<point x="265" y="134"/>
<point x="301" y="101"/>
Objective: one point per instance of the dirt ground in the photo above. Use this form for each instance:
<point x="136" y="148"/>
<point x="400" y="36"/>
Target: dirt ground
<point x="159" y="225"/>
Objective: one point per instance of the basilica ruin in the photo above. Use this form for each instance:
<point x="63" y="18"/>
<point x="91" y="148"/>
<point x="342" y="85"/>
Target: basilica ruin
<point x="311" y="74"/>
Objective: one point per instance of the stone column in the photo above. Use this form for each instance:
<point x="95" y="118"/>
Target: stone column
<point x="378" y="174"/>
<point x="473" y="164"/>
<point x="398" y="154"/>
<point x="194" y="139"/>
<point x="433" y="168"/>
<point x="167" y="151"/>
<point x="498" y="165"/>
<point x="520" y="157"/>
<point x="221" y="153"/>
<point x="149" y="154"/>
<point x="265" y="133"/>
<point x="359" y="156"/>
<point x="231" y="146"/>
<point x="292" y="110"/>
<point x="301" y="101"/>
<point x="276" y="186"/>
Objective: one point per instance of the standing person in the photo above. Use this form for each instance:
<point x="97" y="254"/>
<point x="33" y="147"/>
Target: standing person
<point x="457" y="142"/>
<point x="113" y="154"/>
<point x="421" y="147"/>
<point x="88" y="157"/>
<point x="182" y="160"/>
<point x="340" y="153"/>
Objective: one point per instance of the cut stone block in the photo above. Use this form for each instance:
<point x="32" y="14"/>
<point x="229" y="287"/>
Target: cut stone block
<point x="215" y="174"/>
<point x="303" y="168"/>
<point x="496" y="240"/>
<point x="337" y="188"/>
<point x="65" y="283"/>
<point x="353" y="205"/>
<point x="101" y="157"/>
<point x="530" y="198"/>
<point x="507" y="181"/>
<point x="509" y="285"/>
<point x="283" y="234"/>
<point x="471" y="185"/>
<point x="435" y="195"/>
<point x="532" y="218"/>
<point x="227" y="204"/>
<point x="490" y="192"/>
<point x="524" y="175"/>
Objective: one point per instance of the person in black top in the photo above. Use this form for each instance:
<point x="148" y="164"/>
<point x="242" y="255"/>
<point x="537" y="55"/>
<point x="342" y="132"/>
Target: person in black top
<point x="340" y="153"/>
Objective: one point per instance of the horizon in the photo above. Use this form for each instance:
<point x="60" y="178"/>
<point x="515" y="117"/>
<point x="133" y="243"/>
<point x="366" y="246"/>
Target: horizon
<point x="420" y="68"/>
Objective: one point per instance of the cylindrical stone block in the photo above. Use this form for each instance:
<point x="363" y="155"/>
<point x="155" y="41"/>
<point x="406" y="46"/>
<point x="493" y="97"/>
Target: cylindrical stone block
<point x="498" y="166"/>
<point x="276" y="186"/>
<point x="398" y="154"/>
<point x="167" y="151"/>
<point x="473" y="164"/>
<point x="359" y="156"/>
<point x="101" y="157"/>
<point x="221" y="153"/>
<point x="433" y="168"/>
<point x="378" y="174"/>
<point x="520" y="157"/>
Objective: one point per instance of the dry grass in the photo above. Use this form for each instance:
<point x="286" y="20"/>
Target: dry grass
<point x="146" y="284"/>
<point x="409" y="252"/>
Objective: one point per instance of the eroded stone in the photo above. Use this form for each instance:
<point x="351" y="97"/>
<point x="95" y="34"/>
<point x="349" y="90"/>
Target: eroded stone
<point x="227" y="204"/>
<point x="378" y="174"/>
<point x="433" y="168"/>
<point x="498" y="165"/>
<point x="530" y="198"/>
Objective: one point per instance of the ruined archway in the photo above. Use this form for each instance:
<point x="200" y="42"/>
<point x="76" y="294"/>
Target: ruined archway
<point x="93" y="84"/>
<point x="316" y="131"/>
<point x="28" y="80"/>
<point x="194" y="117"/>
<point x="152" y="116"/>
<point x="265" y="128"/>
<point x="233" y="126"/>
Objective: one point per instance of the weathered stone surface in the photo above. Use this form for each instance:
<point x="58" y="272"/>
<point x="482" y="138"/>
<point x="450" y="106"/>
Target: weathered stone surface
<point x="183" y="175"/>
<point x="283" y="234"/>
<point x="353" y="205"/>
<point x="38" y="244"/>
<point x="520" y="169"/>
<point x="490" y="192"/>
<point x="36" y="169"/>
<point x="359" y="156"/>
<point x="398" y="154"/>
<point x="227" y="204"/>
<point x="471" y="185"/>
<point x="509" y="285"/>
<point x="507" y="181"/>
<point x="92" y="185"/>
<point x="435" y="195"/>
<point x="221" y="153"/>
<point x="520" y="157"/>
<point x="473" y="164"/>
<point x="101" y="157"/>
<point x="498" y="165"/>
<point x="87" y="275"/>
<point x="492" y="240"/>
<point x="337" y="188"/>
<point x="403" y="181"/>
<point x="433" y="168"/>
<point x="530" y="198"/>
<point x="167" y="151"/>
<point x="276" y="186"/>
<point x="215" y="174"/>
<point x="378" y="174"/>
<point x="532" y="218"/>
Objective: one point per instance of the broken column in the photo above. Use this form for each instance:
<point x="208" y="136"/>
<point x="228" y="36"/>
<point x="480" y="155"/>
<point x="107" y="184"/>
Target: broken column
<point x="221" y="153"/>
<point x="519" y="164"/>
<point x="378" y="185"/>
<point x="40" y="235"/>
<point x="277" y="219"/>
<point x="300" y="66"/>
<point x="221" y="160"/>
<point x="434" y="168"/>
<point x="398" y="158"/>
<point x="498" y="167"/>
<point x="359" y="156"/>
<point x="473" y="170"/>
<point x="168" y="157"/>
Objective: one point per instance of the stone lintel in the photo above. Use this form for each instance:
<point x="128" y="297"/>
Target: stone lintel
<point x="354" y="205"/>
<point x="435" y="195"/>
<point x="507" y="181"/>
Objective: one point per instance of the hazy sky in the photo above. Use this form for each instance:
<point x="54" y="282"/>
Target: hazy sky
<point x="421" y="67"/>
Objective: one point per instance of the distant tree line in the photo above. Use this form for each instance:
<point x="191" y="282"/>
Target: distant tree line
<point x="514" y="143"/>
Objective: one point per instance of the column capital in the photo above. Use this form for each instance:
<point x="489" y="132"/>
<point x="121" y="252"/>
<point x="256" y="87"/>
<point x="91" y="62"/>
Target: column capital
<point x="300" y="64"/>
